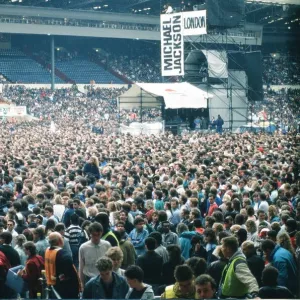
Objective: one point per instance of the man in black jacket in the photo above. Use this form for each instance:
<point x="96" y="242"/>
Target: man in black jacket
<point x="270" y="289"/>
<point x="255" y="263"/>
<point x="5" y="247"/>
<point x="151" y="263"/>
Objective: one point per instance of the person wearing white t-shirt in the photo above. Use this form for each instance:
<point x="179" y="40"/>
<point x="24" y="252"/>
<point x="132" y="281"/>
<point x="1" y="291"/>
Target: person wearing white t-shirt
<point x="264" y="205"/>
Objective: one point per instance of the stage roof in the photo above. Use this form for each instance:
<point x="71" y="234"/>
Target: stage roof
<point x="175" y="95"/>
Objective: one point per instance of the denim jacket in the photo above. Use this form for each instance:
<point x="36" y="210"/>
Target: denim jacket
<point x="94" y="289"/>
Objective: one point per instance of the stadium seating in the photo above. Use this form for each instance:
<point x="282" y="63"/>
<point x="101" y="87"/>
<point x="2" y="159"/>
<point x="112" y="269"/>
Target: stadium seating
<point x="83" y="71"/>
<point x="17" y="67"/>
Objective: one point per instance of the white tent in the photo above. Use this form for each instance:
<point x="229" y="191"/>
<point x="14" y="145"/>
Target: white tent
<point x="175" y="96"/>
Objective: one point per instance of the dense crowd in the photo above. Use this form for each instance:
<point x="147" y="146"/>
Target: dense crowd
<point x="138" y="69"/>
<point x="281" y="108"/>
<point x="122" y="217"/>
<point x="281" y="69"/>
<point x="94" y="107"/>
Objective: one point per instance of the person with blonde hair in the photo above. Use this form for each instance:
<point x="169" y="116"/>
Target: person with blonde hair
<point x="283" y="240"/>
<point x="91" y="168"/>
<point x="116" y="255"/>
<point x="273" y="214"/>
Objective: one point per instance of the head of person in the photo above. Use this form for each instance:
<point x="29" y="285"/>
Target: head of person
<point x="241" y="235"/>
<point x="134" y="276"/>
<point x="157" y="236"/>
<point x="60" y="227"/>
<point x="198" y="265"/>
<point x="291" y="225"/>
<point x="30" y="249"/>
<point x="261" y="216"/>
<point x="229" y="246"/>
<point x="5" y="238"/>
<point x="155" y="217"/>
<point x="116" y="255"/>
<point x="10" y="225"/>
<point x="105" y="267"/>
<point x="267" y="247"/>
<point x="95" y="231"/>
<point x="94" y="161"/>
<point x="55" y="239"/>
<point x="49" y="211"/>
<point x="184" y="277"/>
<point x="123" y="215"/>
<point x="120" y="227"/>
<point x="205" y="287"/>
<point x="165" y="226"/>
<point x="103" y="219"/>
<point x="211" y="198"/>
<point x="174" y="252"/>
<point x="150" y="243"/>
<point x="270" y="276"/>
<point x="228" y="222"/>
<point x="251" y="226"/>
<point x="210" y="236"/>
<point x="139" y="224"/>
<point x="21" y="239"/>
<point x="248" y="248"/>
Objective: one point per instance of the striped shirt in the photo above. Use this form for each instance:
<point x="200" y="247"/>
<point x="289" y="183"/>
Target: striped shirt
<point x="75" y="235"/>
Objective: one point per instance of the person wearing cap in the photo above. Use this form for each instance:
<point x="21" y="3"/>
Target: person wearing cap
<point x="168" y="237"/>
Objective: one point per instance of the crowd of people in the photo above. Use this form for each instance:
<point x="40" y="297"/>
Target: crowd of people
<point x="196" y="216"/>
<point x="138" y="69"/>
<point x="281" y="69"/>
<point x="94" y="107"/>
<point x="281" y="108"/>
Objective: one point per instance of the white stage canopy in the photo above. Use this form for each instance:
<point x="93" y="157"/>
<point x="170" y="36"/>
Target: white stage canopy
<point x="175" y="96"/>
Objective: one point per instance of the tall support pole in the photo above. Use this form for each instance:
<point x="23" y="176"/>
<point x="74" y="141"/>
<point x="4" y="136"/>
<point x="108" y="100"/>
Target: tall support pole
<point x="231" y="110"/>
<point x="52" y="64"/>
<point x="141" y="106"/>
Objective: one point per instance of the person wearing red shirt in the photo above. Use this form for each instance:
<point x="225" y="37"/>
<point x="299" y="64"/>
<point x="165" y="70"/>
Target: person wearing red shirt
<point x="212" y="204"/>
<point x="32" y="271"/>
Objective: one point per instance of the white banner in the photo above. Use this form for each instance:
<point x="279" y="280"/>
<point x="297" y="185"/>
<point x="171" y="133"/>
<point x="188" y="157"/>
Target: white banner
<point x="136" y="128"/>
<point x="173" y="27"/>
<point x="172" y="45"/>
<point x="12" y="111"/>
<point x="194" y="22"/>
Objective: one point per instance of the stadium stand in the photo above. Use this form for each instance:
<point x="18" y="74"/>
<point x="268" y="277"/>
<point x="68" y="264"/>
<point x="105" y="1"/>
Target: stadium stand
<point x="83" y="71"/>
<point x="17" y="67"/>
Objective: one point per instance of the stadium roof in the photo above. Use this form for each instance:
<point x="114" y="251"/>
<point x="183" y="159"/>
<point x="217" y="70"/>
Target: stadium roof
<point x="280" y="14"/>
